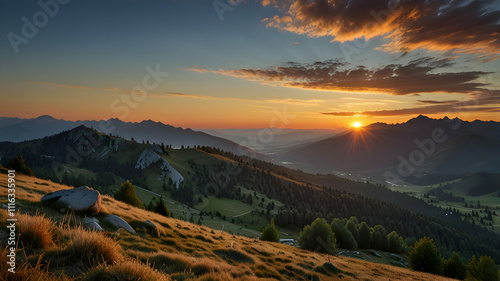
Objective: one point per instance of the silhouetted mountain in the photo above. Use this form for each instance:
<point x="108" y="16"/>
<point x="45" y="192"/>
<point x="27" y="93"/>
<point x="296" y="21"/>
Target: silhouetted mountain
<point x="15" y="129"/>
<point x="420" y="147"/>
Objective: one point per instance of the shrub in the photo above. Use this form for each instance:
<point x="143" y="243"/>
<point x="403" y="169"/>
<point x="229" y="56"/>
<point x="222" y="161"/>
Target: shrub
<point x="127" y="194"/>
<point x="454" y="267"/>
<point x="425" y="257"/>
<point x="35" y="232"/>
<point x="482" y="270"/>
<point x="128" y="270"/>
<point x="18" y="164"/>
<point x="92" y="248"/>
<point x="318" y="237"/>
<point x="270" y="233"/>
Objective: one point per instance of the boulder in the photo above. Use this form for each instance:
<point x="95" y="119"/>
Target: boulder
<point x="80" y="199"/>
<point x="120" y="223"/>
<point x="151" y="224"/>
<point x="92" y="224"/>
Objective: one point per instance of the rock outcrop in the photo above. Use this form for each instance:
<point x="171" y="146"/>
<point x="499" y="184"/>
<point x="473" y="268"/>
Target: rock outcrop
<point x="92" y="224"/>
<point x="150" y="156"/>
<point x="79" y="199"/>
<point x="120" y="223"/>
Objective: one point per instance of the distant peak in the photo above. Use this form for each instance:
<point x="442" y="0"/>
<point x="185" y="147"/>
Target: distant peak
<point x="45" y="118"/>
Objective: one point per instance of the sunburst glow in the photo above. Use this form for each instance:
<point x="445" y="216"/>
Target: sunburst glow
<point x="356" y="124"/>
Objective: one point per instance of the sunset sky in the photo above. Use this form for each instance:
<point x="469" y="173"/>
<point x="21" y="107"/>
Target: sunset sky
<point x="327" y="64"/>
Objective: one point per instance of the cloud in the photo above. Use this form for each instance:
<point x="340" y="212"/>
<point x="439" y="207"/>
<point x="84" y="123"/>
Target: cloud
<point x="437" y="102"/>
<point x="485" y="101"/>
<point x="199" y="70"/>
<point x="466" y="26"/>
<point x="278" y="101"/>
<point x="418" y="76"/>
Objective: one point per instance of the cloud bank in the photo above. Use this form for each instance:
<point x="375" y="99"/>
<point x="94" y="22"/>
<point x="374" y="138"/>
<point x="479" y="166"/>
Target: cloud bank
<point x="471" y="27"/>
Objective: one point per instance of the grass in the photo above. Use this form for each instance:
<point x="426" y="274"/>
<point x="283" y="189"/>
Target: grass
<point x="91" y="248"/>
<point x="35" y="232"/>
<point x="184" y="251"/>
<point x="128" y="270"/>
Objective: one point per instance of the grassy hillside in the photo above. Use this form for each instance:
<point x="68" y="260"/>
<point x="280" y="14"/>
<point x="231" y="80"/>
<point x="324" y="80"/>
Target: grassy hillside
<point x="183" y="251"/>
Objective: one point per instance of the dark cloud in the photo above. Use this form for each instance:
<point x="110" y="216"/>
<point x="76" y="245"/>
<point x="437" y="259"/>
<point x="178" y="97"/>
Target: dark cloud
<point x="423" y="75"/>
<point x="465" y="26"/>
<point x="485" y="101"/>
<point x="437" y="101"/>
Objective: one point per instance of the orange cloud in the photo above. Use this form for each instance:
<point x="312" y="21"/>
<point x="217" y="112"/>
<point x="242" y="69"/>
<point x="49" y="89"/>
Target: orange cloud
<point x="418" y="76"/>
<point x="459" y="26"/>
<point x="486" y="101"/>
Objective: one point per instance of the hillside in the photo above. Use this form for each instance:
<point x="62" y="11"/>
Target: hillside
<point x="240" y="194"/>
<point x="184" y="251"/>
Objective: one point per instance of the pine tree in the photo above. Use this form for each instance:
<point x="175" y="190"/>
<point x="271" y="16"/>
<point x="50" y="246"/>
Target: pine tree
<point x="270" y="233"/>
<point x="161" y="208"/>
<point x="425" y="257"/>
<point x="127" y="194"/>
<point x="364" y="236"/>
<point x="19" y="166"/>
<point x="454" y="267"/>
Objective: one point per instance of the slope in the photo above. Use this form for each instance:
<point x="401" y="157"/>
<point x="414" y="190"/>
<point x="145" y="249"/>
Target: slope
<point x="185" y="251"/>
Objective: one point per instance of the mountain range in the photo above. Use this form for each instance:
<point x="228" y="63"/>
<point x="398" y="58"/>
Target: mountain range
<point x="17" y="129"/>
<point x="417" y="150"/>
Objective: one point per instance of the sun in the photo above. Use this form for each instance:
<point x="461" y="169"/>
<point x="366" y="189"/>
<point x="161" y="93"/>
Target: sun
<point x="356" y="124"/>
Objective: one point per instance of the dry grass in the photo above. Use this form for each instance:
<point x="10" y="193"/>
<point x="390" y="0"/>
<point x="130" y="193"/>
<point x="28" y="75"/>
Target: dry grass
<point x="92" y="248"/>
<point x="128" y="270"/>
<point x="186" y="251"/>
<point x="26" y="272"/>
<point x="35" y="232"/>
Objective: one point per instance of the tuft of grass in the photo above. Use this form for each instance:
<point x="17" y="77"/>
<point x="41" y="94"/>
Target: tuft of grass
<point x="35" y="232"/>
<point x="327" y="269"/>
<point x="205" y="265"/>
<point x="25" y="271"/>
<point x="215" y="276"/>
<point x="92" y="248"/>
<point x="233" y="255"/>
<point x="170" y="262"/>
<point x="128" y="270"/>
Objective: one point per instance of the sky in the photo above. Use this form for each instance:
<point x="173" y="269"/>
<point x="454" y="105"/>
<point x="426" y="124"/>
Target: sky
<point x="250" y="64"/>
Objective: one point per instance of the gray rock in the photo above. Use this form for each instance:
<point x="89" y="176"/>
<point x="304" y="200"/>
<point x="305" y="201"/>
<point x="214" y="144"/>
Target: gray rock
<point x="120" y="223"/>
<point x="148" y="222"/>
<point x="3" y="206"/>
<point x="80" y="199"/>
<point x="92" y="224"/>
